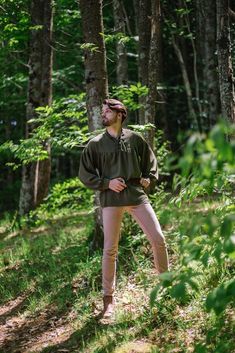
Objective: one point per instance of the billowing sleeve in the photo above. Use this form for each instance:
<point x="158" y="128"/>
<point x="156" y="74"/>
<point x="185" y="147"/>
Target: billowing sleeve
<point x="149" y="166"/>
<point x="88" y="172"/>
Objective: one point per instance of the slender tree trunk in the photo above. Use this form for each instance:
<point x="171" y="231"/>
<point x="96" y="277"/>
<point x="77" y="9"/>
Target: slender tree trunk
<point x="36" y="176"/>
<point x="195" y="65"/>
<point x="119" y="22"/>
<point x="186" y="81"/>
<point x="226" y="80"/>
<point x="96" y="80"/>
<point x="9" y="171"/>
<point x="150" y="109"/>
<point x="144" y="30"/>
<point x="135" y="4"/>
<point x="210" y="74"/>
<point x="200" y="28"/>
<point x="161" y="99"/>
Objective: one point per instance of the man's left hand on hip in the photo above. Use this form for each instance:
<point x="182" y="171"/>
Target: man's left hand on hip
<point x="145" y="182"/>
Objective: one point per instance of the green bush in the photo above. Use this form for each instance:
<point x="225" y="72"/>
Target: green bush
<point x="64" y="197"/>
<point x="206" y="242"/>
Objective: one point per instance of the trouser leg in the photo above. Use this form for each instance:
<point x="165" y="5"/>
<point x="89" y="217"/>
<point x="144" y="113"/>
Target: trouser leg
<point x="147" y="219"/>
<point x="112" y="218"/>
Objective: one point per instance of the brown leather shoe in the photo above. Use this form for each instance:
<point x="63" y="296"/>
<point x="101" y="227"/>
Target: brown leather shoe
<point x="109" y="306"/>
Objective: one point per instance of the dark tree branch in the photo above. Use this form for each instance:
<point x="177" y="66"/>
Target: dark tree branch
<point x="231" y="14"/>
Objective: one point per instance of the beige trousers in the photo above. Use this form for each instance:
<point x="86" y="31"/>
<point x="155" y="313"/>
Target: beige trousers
<point x="146" y="218"/>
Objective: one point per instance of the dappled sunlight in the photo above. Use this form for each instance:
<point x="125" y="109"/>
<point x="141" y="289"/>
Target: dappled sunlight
<point x="115" y="106"/>
<point x="59" y="333"/>
<point x="60" y="314"/>
<point x="74" y="220"/>
<point x="12" y="306"/>
<point x="27" y="333"/>
<point x="138" y="346"/>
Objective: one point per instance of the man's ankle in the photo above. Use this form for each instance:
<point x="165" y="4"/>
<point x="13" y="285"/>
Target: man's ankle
<point x="109" y="306"/>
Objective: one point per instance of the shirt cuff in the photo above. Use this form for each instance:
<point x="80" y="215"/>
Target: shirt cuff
<point x="105" y="184"/>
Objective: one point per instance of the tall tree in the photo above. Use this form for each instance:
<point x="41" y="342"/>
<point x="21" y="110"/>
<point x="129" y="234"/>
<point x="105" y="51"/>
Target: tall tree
<point x="120" y="27"/>
<point x="95" y="77"/>
<point x="180" y="31"/>
<point x="36" y="176"/>
<point x="226" y="81"/>
<point x="95" y="60"/>
<point x="150" y="107"/>
<point x="207" y="13"/>
<point x="150" y="66"/>
<point x="161" y="99"/>
<point x="144" y="31"/>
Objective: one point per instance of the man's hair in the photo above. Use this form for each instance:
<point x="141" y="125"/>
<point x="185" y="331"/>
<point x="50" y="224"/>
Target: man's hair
<point x="115" y="104"/>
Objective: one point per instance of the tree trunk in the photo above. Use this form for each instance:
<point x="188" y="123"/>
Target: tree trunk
<point x="36" y="176"/>
<point x="161" y="97"/>
<point x="9" y="171"/>
<point x="150" y="108"/>
<point x="144" y="31"/>
<point x="210" y="75"/>
<point x="226" y="82"/>
<point x="95" y="60"/>
<point x="135" y="4"/>
<point x="96" y="80"/>
<point x="186" y="81"/>
<point x="119" y="22"/>
<point x="183" y="4"/>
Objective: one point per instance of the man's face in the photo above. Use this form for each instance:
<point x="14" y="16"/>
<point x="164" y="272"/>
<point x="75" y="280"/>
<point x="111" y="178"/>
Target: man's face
<point x="109" y="116"/>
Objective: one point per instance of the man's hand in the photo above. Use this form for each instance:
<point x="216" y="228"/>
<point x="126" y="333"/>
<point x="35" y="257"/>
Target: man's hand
<point x="117" y="184"/>
<point x="145" y="182"/>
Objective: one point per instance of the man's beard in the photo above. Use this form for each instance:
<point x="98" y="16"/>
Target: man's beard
<point x="105" y="123"/>
<point x="109" y="122"/>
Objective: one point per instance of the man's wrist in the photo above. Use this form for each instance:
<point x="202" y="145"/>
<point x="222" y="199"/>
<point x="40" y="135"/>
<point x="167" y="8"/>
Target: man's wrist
<point x="105" y="183"/>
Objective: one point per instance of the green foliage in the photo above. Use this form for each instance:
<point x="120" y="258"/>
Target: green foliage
<point x="221" y="296"/>
<point x="129" y="95"/>
<point x="90" y="47"/>
<point x="64" y="197"/>
<point x="141" y="128"/>
<point x="163" y="152"/>
<point x="205" y="242"/>
<point x="207" y="164"/>
<point x="63" y="125"/>
<point x="14" y="24"/>
<point x="117" y="37"/>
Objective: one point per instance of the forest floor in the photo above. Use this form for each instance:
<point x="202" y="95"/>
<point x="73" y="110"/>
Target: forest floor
<point x="50" y="292"/>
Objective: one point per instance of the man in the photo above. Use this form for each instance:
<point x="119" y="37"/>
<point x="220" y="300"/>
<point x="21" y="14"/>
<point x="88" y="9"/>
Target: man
<point x="120" y="164"/>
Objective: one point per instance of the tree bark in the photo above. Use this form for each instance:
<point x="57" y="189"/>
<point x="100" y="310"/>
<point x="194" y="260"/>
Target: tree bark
<point x="186" y="81"/>
<point x="195" y="66"/>
<point x="96" y="81"/>
<point x="150" y="108"/>
<point x="161" y="96"/>
<point x="95" y="60"/>
<point x="36" y="176"/>
<point x="226" y="80"/>
<point x="210" y="63"/>
<point x="144" y="31"/>
<point x="119" y="23"/>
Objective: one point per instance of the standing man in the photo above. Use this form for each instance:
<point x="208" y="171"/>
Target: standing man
<point x="120" y="164"/>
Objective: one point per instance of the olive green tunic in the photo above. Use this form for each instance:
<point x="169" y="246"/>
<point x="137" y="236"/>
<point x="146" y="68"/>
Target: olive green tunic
<point x="128" y="156"/>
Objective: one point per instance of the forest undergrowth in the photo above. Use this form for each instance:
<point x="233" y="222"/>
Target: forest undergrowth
<point x="50" y="288"/>
<point x="50" y="276"/>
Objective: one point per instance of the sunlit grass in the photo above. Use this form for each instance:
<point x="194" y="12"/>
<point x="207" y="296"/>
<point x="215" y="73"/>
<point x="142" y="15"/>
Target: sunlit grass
<point x="53" y="265"/>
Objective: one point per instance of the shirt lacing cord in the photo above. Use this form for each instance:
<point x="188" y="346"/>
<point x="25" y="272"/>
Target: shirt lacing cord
<point x="122" y="146"/>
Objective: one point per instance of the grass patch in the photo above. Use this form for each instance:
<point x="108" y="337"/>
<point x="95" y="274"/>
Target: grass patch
<point x="50" y="288"/>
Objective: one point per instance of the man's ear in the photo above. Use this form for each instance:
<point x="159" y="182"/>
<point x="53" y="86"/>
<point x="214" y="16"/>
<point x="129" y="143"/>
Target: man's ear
<point x="120" y="116"/>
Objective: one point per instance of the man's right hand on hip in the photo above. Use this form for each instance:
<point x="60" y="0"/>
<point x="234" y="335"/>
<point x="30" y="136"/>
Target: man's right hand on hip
<point x="117" y="184"/>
